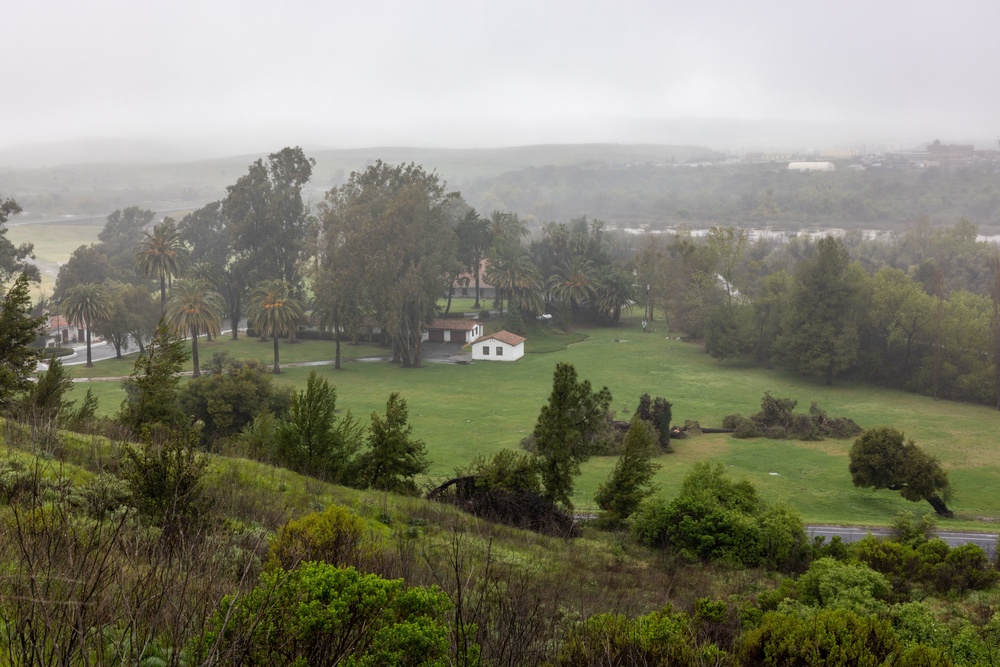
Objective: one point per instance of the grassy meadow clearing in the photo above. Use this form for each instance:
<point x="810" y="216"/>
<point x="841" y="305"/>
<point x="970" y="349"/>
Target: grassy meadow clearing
<point x="461" y="411"/>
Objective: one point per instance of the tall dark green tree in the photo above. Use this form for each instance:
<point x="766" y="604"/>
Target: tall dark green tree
<point x="820" y="336"/>
<point x="398" y="244"/>
<point x="394" y="457"/>
<point x="474" y="239"/>
<point x="565" y="429"/>
<point x="18" y="329"/>
<point x="209" y="233"/>
<point x="267" y="216"/>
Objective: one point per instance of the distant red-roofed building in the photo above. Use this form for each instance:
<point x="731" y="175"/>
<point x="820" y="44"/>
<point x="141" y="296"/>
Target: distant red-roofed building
<point x="61" y="332"/>
<point x="499" y="346"/>
<point x="452" y="331"/>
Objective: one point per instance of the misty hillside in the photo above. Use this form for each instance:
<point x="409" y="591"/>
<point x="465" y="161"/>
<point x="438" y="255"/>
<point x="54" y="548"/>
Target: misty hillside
<point x="654" y="185"/>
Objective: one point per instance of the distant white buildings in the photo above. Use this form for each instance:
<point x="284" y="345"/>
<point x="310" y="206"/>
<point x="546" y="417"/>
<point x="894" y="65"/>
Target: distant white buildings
<point x="810" y="166"/>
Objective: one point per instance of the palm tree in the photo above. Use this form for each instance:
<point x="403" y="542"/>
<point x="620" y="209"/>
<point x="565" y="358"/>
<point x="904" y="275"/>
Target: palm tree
<point x="514" y="275"/>
<point x="274" y="312"/>
<point x="617" y="291"/>
<point x="85" y="305"/>
<point x="162" y="254"/>
<point x="194" y="307"/>
<point x="475" y="238"/>
<point x="574" y="281"/>
<point x="505" y="227"/>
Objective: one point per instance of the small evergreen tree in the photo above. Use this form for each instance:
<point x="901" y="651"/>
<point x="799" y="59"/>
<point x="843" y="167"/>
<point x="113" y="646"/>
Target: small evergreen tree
<point x="44" y="402"/>
<point x="151" y="390"/>
<point x="166" y="477"/>
<point x="18" y="329"/>
<point x="629" y="483"/>
<point x="564" y="430"/>
<point x="393" y="458"/>
<point x="85" y="415"/>
<point x="311" y="439"/>
<point x="658" y="412"/>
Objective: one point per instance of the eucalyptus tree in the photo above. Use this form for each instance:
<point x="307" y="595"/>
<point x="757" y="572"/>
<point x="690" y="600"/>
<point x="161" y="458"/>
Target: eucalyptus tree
<point x="162" y="254"/>
<point x="396" y="245"/>
<point x="86" y="306"/>
<point x="274" y="311"/>
<point x="193" y="308"/>
<point x="267" y="217"/>
<point x="210" y="235"/>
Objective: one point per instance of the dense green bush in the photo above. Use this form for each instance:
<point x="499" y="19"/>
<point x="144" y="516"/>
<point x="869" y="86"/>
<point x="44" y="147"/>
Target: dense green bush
<point x="664" y="638"/>
<point x="777" y="419"/>
<point x="836" y="638"/>
<point x="715" y="518"/>
<point x="319" y="614"/>
<point x="336" y="536"/>
<point x="230" y="393"/>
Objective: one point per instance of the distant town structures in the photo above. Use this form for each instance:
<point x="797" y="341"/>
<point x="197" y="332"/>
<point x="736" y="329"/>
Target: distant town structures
<point x="810" y="166"/>
<point x="499" y="346"/>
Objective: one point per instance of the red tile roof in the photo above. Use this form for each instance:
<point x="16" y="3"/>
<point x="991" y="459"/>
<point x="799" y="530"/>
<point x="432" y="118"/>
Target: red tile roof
<point x="503" y="337"/>
<point x="454" y="325"/>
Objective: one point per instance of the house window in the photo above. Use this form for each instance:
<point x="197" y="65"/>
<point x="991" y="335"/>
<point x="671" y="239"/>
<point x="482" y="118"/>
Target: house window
<point x="499" y="351"/>
<point x="486" y="350"/>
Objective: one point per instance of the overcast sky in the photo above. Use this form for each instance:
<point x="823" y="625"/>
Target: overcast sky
<point x="255" y="75"/>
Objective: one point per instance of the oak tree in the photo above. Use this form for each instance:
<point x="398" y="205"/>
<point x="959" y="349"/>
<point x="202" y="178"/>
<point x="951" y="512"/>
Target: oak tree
<point x="882" y="459"/>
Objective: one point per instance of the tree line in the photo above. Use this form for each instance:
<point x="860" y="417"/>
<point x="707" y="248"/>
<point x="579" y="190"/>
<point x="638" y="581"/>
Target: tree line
<point x="916" y="310"/>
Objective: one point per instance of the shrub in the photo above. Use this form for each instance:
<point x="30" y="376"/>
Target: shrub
<point x="319" y="614"/>
<point x="166" y="478"/>
<point x="777" y="419"/>
<point x="835" y="638"/>
<point x="661" y="638"/>
<point x="717" y="519"/>
<point x="831" y="584"/>
<point x="335" y="536"/>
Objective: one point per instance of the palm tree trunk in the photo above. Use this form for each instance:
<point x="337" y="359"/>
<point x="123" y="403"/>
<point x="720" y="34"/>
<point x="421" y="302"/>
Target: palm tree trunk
<point x="163" y="292"/>
<point x="194" y="350"/>
<point x="476" y="305"/>
<point x="277" y="368"/>
<point x="90" y="363"/>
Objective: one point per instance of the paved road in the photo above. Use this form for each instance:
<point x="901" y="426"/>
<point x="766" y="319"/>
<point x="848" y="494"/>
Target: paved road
<point x="988" y="541"/>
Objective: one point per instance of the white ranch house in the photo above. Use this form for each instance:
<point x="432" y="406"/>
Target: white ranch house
<point x="499" y="346"/>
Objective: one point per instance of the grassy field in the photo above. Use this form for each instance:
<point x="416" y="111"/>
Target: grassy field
<point x="461" y="411"/>
<point x="54" y="243"/>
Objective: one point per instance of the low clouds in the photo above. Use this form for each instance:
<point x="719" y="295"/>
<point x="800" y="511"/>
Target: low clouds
<point x="250" y="74"/>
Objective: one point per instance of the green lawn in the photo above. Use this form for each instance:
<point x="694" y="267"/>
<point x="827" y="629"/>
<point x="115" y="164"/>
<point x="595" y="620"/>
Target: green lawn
<point x="464" y="410"/>
<point x="54" y="243"/>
